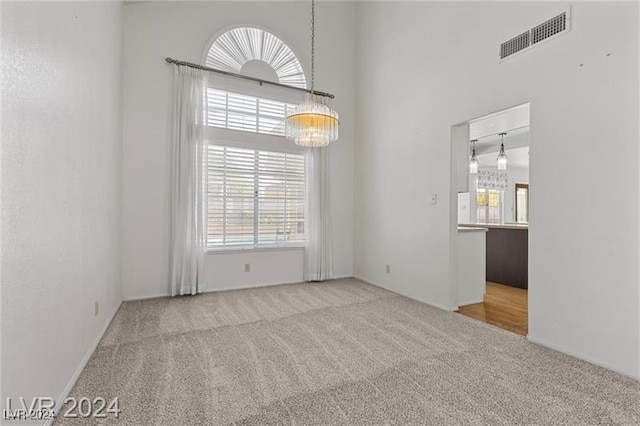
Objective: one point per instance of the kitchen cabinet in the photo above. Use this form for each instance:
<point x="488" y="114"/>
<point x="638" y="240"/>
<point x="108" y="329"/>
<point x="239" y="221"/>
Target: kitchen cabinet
<point x="507" y="255"/>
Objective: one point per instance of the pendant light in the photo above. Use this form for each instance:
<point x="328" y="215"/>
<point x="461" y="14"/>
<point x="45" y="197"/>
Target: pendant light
<point x="312" y="123"/>
<point x="473" y="163"/>
<point x="502" y="156"/>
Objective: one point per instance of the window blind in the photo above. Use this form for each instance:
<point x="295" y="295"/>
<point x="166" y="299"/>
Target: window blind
<point x="255" y="198"/>
<point x="246" y="113"/>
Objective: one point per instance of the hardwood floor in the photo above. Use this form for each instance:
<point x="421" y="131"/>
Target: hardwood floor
<point x="503" y="306"/>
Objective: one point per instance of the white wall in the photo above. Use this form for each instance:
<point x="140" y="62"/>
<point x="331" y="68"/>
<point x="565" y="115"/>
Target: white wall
<point x="424" y="67"/>
<point x="61" y="169"/>
<point x="267" y="267"/>
<point x="155" y="30"/>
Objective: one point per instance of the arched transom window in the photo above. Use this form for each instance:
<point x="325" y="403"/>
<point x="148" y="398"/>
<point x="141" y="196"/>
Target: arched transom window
<point x="246" y="50"/>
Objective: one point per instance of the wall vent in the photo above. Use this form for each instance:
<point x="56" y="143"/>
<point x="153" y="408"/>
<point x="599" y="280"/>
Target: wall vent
<point x="550" y="28"/>
<point x="514" y="45"/>
<point x="557" y="25"/>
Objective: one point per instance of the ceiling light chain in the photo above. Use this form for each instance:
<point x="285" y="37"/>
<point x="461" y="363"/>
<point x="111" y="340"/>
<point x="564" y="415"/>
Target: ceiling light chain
<point x="313" y="46"/>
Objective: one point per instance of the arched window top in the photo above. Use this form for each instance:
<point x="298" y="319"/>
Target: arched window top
<point x="239" y="49"/>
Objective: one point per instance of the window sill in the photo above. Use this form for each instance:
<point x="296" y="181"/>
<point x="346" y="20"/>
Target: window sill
<point x="253" y="249"/>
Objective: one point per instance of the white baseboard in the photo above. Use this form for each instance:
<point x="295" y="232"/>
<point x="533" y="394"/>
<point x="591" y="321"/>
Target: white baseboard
<point x="246" y="287"/>
<point x="342" y="277"/>
<point x="81" y="366"/>
<point x="152" y="296"/>
<point x="470" y="302"/>
<point x="576" y="354"/>
<point x="243" y="287"/>
<point x="419" y="299"/>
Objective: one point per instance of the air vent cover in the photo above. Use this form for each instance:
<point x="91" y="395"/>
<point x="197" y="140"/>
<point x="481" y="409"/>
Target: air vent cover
<point x="552" y="27"/>
<point x="514" y="45"/>
<point x="557" y="25"/>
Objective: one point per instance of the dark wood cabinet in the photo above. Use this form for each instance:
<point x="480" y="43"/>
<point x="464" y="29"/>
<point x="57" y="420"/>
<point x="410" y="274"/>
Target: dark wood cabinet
<point x="508" y="256"/>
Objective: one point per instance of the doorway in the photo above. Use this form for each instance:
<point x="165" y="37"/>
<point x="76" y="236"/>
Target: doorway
<point x="522" y="202"/>
<point x="490" y="196"/>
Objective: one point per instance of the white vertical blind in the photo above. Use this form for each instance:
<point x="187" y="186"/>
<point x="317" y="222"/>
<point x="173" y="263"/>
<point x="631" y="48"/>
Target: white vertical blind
<point x="255" y="198"/>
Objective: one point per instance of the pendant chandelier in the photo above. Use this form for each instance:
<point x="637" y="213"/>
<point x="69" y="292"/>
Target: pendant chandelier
<point x="502" y="156"/>
<point x="312" y="123"/>
<point x="473" y="164"/>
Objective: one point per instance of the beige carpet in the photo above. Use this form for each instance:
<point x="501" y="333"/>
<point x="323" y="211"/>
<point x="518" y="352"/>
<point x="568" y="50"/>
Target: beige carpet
<point x="339" y="352"/>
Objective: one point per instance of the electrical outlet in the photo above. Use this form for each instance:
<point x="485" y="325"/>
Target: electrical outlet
<point x="96" y="308"/>
<point x="247" y="267"/>
<point x="388" y="269"/>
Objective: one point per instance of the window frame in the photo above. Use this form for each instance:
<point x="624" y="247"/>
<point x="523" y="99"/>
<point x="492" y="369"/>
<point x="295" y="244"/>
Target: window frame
<point x="487" y="207"/>
<point x="256" y="246"/>
<point x="220" y="136"/>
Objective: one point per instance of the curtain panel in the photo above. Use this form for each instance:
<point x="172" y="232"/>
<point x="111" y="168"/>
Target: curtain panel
<point x="188" y="201"/>
<point x="318" y="264"/>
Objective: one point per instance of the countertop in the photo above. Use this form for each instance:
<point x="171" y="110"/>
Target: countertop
<point x="491" y="225"/>
<point x="471" y="228"/>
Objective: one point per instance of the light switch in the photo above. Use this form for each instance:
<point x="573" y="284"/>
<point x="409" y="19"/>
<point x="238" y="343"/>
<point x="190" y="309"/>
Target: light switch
<point x="434" y="198"/>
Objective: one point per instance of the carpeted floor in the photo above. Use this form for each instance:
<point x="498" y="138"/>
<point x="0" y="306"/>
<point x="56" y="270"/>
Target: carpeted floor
<point x="339" y="352"/>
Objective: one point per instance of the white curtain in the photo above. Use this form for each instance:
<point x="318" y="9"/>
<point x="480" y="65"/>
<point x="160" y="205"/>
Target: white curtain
<point x="318" y="251"/>
<point x="188" y="183"/>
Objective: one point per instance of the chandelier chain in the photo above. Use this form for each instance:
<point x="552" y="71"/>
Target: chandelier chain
<point x="313" y="44"/>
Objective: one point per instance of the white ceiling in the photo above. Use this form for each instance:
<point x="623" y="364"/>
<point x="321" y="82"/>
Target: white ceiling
<point x="514" y="139"/>
<point x="508" y="120"/>
<point x="513" y="121"/>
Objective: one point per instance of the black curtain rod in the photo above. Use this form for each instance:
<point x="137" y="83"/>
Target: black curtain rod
<point x="245" y="77"/>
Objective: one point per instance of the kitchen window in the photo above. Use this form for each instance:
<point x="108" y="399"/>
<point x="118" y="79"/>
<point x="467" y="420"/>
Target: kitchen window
<point x="489" y="206"/>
